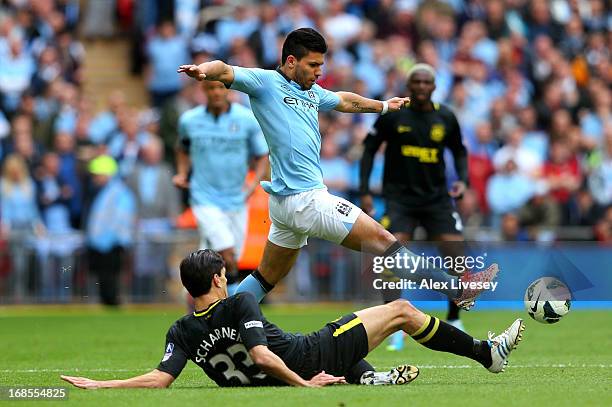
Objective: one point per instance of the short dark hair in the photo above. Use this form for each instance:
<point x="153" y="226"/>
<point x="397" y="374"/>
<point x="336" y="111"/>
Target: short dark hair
<point x="198" y="269"/>
<point x="301" y="41"/>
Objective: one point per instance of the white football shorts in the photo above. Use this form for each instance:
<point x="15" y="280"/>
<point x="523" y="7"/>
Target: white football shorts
<point x="315" y="213"/>
<point x="221" y="229"/>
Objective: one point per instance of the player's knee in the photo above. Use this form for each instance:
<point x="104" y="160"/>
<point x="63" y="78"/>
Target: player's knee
<point x="383" y="236"/>
<point x="403" y="307"/>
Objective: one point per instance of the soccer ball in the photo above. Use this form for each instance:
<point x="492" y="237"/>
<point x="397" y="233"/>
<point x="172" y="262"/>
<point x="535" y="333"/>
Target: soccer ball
<point x="547" y="300"/>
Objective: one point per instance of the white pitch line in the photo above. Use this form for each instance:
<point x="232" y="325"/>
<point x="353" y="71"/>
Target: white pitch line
<point x="67" y="370"/>
<point x="552" y="366"/>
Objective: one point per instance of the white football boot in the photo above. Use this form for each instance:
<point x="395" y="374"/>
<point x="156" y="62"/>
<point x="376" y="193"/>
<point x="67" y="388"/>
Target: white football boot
<point x="503" y="344"/>
<point x="402" y="374"/>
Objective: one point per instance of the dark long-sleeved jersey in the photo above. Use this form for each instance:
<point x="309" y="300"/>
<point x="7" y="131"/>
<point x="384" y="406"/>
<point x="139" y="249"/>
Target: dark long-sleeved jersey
<point x="218" y="340"/>
<point x="414" y="172"/>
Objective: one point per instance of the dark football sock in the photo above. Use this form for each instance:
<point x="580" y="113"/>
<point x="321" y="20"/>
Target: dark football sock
<point x="439" y="336"/>
<point x="453" y="311"/>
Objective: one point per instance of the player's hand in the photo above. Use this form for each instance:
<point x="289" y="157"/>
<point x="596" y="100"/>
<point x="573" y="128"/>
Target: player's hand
<point x="396" y="103"/>
<point x="192" y="71"/>
<point x="82" y="382"/>
<point x="181" y="181"/>
<point x="367" y="204"/>
<point x="457" y="189"/>
<point x="325" y="379"/>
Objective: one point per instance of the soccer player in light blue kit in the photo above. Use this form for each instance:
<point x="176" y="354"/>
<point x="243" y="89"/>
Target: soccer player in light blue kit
<point x="286" y="103"/>
<point x="218" y="141"/>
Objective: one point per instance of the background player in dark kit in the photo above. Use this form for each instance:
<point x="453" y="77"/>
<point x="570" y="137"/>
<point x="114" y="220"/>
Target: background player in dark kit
<point x="414" y="183"/>
<point x="236" y="346"/>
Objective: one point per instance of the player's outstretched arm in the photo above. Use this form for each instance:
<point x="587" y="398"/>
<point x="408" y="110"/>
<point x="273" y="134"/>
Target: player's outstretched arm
<point x="273" y="365"/>
<point x="153" y="379"/>
<point x="353" y="103"/>
<point x="209" y="71"/>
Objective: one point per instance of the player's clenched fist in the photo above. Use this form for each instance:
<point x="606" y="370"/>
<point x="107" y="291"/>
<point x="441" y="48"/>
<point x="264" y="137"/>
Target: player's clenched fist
<point x="397" y="103"/>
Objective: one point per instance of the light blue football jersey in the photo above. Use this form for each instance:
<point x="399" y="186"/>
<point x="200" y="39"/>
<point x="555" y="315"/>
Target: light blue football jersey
<point x="289" y="119"/>
<point x="220" y="149"/>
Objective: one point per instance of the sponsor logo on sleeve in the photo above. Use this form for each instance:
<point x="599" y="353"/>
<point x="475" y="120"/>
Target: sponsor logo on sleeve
<point x="169" y="350"/>
<point x="253" y="324"/>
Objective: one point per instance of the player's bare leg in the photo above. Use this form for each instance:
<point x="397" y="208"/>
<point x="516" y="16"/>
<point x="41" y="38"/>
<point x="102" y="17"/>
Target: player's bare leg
<point x="277" y="261"/>
<point x="275" y="264"/>
<point x="381" y="321"/>
<point x="369" y="236"/>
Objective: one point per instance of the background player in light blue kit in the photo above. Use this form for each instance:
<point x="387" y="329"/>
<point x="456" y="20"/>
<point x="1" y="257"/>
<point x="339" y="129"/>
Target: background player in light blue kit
<point x="217" y="142"/>
<point x="286" y="102"/>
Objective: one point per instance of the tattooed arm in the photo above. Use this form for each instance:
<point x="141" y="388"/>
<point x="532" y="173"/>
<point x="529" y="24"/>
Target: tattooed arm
<point x="354" y="103"/>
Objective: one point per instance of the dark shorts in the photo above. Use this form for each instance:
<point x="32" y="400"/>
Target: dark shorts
<point x="437" y="218"/>
<point x="338" y="346"/>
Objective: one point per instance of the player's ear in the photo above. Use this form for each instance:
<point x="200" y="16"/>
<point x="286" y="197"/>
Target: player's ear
<point x="217" y="280"/>
<point x="291" y="61"/>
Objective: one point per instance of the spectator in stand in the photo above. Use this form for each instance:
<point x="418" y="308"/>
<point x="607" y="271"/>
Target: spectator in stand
<point x="508" y="189"/>
<point x="600" y="181"/>
<point x="23" y="144"/>
<point x="69" y="176"/>
<point x="527" y="162"/>
<point x="157" y="206"/>
<point x="125" y="145"/>
<point x="20" y="219"/>
<point x="562" y="173"/>
<point x="163" y="51"/>
<point x="16" y="73"/>
<point x="106" y="123"/>
<point x="534" y="139"/>
<point x="110" y="224"/>
<point x="595" y="120"/>
<point x="55" y="250"/>
<point x="265" y="35"/>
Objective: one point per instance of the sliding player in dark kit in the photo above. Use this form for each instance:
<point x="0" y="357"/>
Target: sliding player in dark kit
<point x="235" y="345"/>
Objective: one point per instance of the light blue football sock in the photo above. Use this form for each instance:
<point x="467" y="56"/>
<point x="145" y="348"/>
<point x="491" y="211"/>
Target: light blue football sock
<point x="252" y="285"/>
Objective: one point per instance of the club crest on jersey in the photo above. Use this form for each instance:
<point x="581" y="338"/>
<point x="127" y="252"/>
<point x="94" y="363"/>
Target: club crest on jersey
<point x="285" y="87"/>
<point x="234" y="127"/>
<point x="437" y="132"/>
<point x="311" y="95"/>
<point x="343" y="208"/>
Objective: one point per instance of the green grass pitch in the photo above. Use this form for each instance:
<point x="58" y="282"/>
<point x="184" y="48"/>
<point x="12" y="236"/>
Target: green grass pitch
<point x="567" y="364"/>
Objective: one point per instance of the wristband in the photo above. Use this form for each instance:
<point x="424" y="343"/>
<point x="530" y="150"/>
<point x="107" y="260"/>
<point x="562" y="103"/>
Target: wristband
<point x="385" y="107"/>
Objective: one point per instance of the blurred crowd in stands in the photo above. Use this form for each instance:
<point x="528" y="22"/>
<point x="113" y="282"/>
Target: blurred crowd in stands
<point x="529" y="80"/>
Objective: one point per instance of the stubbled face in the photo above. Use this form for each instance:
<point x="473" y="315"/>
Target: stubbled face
<point x="308" y="69"/>
<point x="216" y="94"/>
<point x="421" y="85"/>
